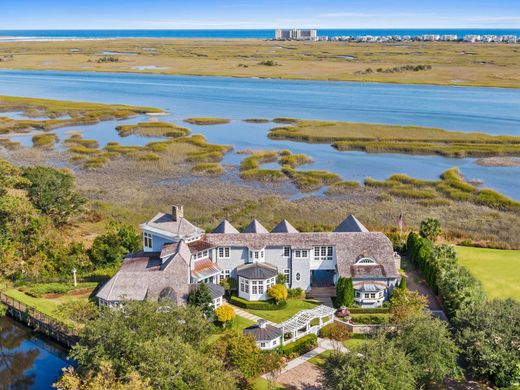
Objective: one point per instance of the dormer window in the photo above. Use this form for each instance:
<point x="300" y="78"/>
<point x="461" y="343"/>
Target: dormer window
<point x="256" y="255"/>
<point x="148" y="242"/>
<point x="286" y="251"/>
<point x="366" y="261"/>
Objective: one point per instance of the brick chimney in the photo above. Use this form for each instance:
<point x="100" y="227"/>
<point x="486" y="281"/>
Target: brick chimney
<point x="177" y="212"/>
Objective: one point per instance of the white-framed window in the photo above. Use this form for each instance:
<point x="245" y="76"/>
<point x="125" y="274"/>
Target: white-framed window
<point x="257" y="255"/>
<point x="373" y="295"/>
<point x="148" y="242"/>
<point x="298" y="276"/>
<point x="323" y="253"/>
<point x="287" y="273"/>
<point x="223" y="253"/>
<point x="366" y="261"/>
<point x="262" y="345"/>
<point x="270" y="283"/>
<point x="301" y="253"/>
<point x="357" y="294"/>
<point x="254" y="287"/>
<point x="286" y="251"/>
<point x="244" y="285"/>
<point x="224" y="274"/>
<point x="260" y="287"/>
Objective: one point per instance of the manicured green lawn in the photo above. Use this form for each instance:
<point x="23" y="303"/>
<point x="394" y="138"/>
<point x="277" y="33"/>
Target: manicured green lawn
<point x="498" y="270"/>
<point x="319" y="360"/>
<point x="293" y="307"/>
<point x="45" y="305"/>
<point x="357" y="341"/>
<point x="263" y="384"/>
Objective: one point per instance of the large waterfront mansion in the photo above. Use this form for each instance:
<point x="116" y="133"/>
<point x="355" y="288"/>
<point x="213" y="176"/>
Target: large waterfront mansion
<point x="178" y="256"/>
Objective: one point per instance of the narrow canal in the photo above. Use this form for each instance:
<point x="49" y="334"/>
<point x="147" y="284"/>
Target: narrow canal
<point x="28" y="361"/>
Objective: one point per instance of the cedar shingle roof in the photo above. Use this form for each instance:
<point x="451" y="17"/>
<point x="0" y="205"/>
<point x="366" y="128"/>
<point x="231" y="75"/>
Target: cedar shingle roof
<point x="284" y="227"/>
<point x="225" y="227"/>
<point x="351" y="224"/>
<point x="144" y="275"/>
<point x="255" y="227"/>
<point x="349" y="246"/>
<point x="363" y="271"/>
<point x="180" y="228"/>
<point x="199" y="246"/>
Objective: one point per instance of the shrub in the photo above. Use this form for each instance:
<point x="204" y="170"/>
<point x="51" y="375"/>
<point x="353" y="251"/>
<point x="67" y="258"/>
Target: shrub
<point x="344" y="292"/>
<point x="296" y="293"/>
<point x="370" y="319"/>
<point x="225" y="313"/>
<point x="301" y="346"/>
<point x="278" y="292"/>
<point x="265" y="305"/>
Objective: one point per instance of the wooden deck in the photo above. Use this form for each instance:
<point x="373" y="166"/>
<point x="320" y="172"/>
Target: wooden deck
<point x="38" y="321"/>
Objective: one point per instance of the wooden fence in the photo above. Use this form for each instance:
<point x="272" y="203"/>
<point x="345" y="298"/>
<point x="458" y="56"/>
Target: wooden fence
<point x="39" y="321"/>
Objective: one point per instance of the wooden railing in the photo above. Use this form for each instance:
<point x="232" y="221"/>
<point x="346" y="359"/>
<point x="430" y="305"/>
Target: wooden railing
<point x="38" y="321"/>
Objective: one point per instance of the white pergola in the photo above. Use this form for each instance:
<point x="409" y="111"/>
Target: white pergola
<point x="300" y="324"/>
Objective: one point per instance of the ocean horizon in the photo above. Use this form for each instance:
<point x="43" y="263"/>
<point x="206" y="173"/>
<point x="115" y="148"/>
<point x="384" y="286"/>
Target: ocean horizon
<point x="20" y="35"/>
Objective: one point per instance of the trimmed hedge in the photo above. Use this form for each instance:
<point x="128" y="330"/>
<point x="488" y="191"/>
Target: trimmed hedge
<point x="264" y="305"/>
<point x="372" y="310"/>
<point x="301" y="346"/>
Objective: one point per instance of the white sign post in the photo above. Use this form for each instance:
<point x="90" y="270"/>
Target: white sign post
<point x="74" y="272"/>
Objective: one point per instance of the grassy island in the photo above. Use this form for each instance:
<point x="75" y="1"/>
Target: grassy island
<point x="450" y="187"/>
<point x="377" y="138"/>
<point x="207" y="121"/>
<point x="61" y="113"/>
<point x="153" y="129"/>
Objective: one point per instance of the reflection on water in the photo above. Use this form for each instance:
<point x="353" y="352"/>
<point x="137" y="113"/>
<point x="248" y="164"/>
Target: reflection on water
<point x="26" y="361"/>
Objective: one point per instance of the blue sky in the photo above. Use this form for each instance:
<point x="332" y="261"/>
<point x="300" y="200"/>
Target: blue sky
<point x="244" y="14"/>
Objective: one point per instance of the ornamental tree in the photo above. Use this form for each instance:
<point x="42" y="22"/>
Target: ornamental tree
<point x="225" y="313"/>
<point x="201" y="298"/>
<point x="406" y="305"/>
<point x="278" y="292"/>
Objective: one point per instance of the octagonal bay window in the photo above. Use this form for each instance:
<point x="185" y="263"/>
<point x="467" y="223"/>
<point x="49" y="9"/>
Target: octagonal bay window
<point x="254" y="280"/>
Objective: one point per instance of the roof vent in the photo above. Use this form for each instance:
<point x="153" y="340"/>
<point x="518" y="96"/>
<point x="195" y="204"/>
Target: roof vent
<point x="262" y="323"/>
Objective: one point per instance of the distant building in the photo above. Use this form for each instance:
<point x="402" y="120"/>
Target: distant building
<point x="296" y="35"/>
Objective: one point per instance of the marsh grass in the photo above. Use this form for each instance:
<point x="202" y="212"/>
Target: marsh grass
<point x="153" y="129"/>
<point x="343" y="187"/>
<point x="9" y="145"/>
<point x="62" y="113"/>
<point x="452" y="63"/>
<point x="256" y="120"/>
<point x="213" y="169"/>
<point x="207" y="121"/>
<point x="45" y="140"/>
<point x="378" y="138"/>
<point x="450" y="187"/>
